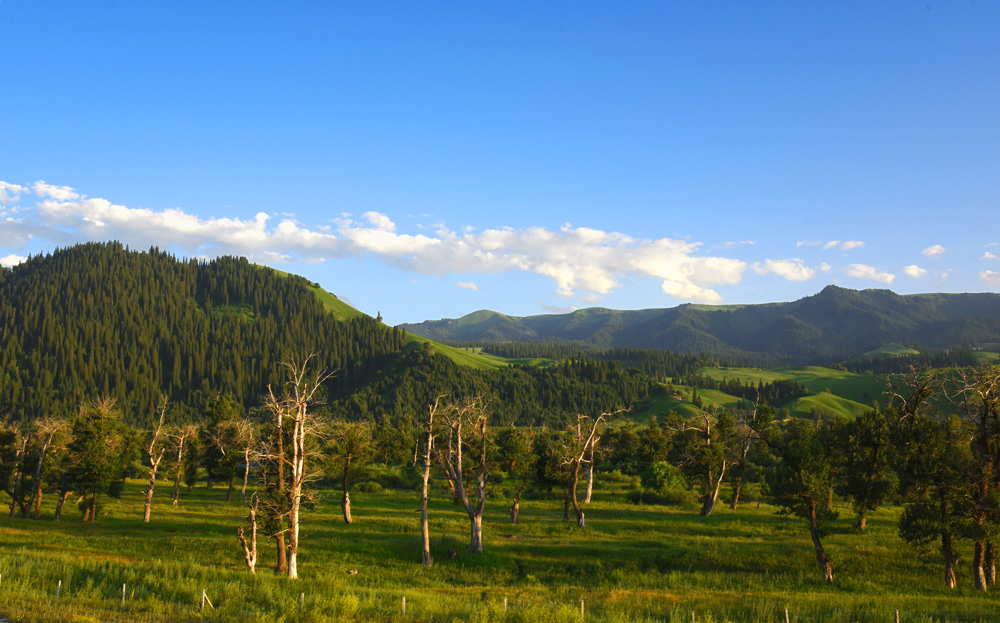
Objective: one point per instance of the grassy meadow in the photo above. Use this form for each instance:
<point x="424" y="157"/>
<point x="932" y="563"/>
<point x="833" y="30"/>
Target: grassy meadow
<point x="631" y="563"/>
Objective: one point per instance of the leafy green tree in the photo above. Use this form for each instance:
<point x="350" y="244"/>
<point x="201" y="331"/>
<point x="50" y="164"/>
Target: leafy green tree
<point x="100" y="454"/>
<point x="867" y="454"/>
<point x="346" y="454"/>
<point x="801" y="480"/>
<point x="515" y="458"/>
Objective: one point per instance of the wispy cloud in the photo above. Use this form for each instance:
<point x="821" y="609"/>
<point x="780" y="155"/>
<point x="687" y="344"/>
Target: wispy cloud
<point x="989" y="256"/>
<point x="863" y="271"/>
<point x="10" y="193"/>
<point x="556" y="309"/>
<point x="582" y="262"/>
<point x="990" y="278"/>
<point x="792" y="269"/>
<point x="934" y="251"/>
<point x="843" y="245"/>
<point x="915" y="271"/>
<point x="468" y="285"/>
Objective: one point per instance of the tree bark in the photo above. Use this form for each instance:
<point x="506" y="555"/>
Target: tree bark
<point x="426" y="559"/>
<point x="36" y="484"/>
<point x="713" y="496"/>
<point x="345" y="506"/>
<point x="978" y="575"/>
<point x="950" y="560"/>
<point x="250" y="551"/>
<point x="38" y="504"/>
<point x="345" y="502"/>
<point x="990" y="563"/>
<point x="515" y="509"/>
<point x="246" y="473"/>
<point x="62" y="500"/>
<point x="229" y="494"/>
<point x="737" y="487"/>
<point x="93" y="507"/>
<point x="824" y="562"/>
<point x="590" y="475"/>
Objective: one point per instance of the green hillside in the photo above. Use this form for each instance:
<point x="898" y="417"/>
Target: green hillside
<point x="834" y="326"/>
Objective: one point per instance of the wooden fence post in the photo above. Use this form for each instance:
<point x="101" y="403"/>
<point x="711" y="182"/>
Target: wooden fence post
<point x="123" y="594"/>
<point x="58" y="588"/>
<point x="404" y="605"/>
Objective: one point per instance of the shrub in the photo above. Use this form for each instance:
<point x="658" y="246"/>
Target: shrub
<point x="662" y="476"/>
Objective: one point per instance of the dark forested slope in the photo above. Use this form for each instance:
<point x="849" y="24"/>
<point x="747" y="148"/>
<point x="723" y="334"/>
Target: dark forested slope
<point x="98" y="319"/>
<point x="101" y="320"/>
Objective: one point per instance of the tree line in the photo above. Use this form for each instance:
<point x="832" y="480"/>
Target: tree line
<point x="935" y="448"/>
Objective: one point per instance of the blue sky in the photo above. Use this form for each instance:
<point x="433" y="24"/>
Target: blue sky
<point x="425" y="160"/>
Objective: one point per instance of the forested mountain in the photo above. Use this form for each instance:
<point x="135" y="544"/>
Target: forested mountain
<point x="834" y="325"/>
<point x="102" y="320"/>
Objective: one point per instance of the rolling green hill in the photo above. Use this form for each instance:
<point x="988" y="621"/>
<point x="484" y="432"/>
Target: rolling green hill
<point x="834" y="325"/>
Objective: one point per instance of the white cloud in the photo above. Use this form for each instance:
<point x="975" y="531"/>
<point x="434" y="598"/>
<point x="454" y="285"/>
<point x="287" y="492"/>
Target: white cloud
<point x="934" y="250"/>
<point x="59" y="193"/>
<point x="915" y="271"/>
<point x="468" y="285"/>
<point x="990" y="278"/>
<point x="845" y="245"/>
<point x="989" y="256"/>
<point x="380" y="221"/>
<point x="10" y="192"/>
<point x="792" y="269"/>
<point x="582" y="262"/>
<point x="825" y="267"/>
<point x="556" y="309"/>
<point x="862" y="271"/>
<point x="11" y="260"/>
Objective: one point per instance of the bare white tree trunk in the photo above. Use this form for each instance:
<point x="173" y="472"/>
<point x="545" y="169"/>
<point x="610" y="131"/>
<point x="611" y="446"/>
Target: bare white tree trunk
<point x="294" y="406"/>
<point x="155" y="456"/>
<point x="250" y="551"/>
<point x="473" y="412"/>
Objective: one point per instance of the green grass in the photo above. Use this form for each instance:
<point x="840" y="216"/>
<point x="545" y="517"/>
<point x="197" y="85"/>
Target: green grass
<point x="891" y="350"/>
<point x="631" y="563"/>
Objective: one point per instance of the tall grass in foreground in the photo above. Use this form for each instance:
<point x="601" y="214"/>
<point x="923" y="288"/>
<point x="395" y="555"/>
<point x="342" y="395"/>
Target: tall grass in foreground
<point x="630" y="564"/>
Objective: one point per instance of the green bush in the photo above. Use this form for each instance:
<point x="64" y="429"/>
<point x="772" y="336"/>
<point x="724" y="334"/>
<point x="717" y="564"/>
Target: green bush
<point x="662" y="476"/>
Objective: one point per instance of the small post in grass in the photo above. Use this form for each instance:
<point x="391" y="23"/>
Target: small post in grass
<point x="204" y="598"/>
<point x="302" y="601"/>
<point x="581" y="608"/>
<point x="404" y="605"/>
<point x="897" y="615"/>
<point x="692" y="616"/>
<point x="504" y="600"/>
<point x="58" y="588"/>
<point x="786" y="616"/>
<point x="123" y="594"/>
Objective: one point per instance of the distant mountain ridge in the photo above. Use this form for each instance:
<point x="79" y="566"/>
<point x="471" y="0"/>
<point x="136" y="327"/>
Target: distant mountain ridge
<point x="835" y="324"/>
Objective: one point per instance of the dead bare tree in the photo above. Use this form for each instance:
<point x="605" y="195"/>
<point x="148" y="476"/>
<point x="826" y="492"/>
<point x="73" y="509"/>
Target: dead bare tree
<point x="708" y="451"/>
<point x="473" y="413"/>
<point x="245" y="432"/>
<point x="155" y="450"/>
<point x="576" y="445"/>
<point x="250" y="550"/>
<point x="426" y="559"/>
<point x="180" y="437"/>
<point x="293" y="405"/>
<point x="50" y="433"/>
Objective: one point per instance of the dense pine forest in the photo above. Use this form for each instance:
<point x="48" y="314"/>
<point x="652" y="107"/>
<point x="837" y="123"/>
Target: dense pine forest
<point x="102" y="320"/>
